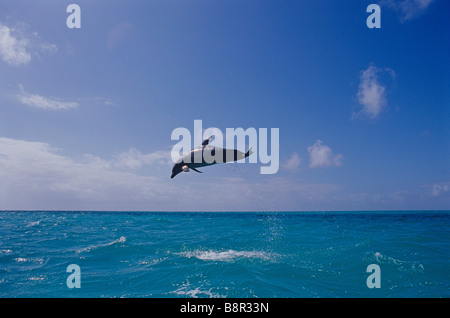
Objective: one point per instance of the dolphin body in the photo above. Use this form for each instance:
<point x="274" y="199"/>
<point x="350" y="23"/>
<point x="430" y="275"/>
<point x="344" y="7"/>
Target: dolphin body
<point x="206" y="155"/>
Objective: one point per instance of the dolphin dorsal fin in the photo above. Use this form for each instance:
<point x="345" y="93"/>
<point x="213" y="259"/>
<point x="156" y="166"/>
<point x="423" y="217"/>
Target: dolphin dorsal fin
<point x="206" y="141"/>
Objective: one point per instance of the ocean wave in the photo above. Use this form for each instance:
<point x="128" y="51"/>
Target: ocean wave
<point x="187" y="290"/>
<point x="33" y="223"/>
<point x="152" y="261"/>
<point x="226" y="256"/>
<point x="38" y="260"/>
<point x="5" y="252"/>
<point x="401" y="265"/>
<point x="122" y="239"/>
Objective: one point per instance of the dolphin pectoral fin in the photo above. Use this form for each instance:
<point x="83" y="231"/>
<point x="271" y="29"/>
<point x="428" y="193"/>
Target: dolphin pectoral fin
<point x="196" y="170"/>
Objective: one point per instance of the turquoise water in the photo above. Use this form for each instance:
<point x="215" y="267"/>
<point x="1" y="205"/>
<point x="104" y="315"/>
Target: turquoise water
<point x="160" y="254"/>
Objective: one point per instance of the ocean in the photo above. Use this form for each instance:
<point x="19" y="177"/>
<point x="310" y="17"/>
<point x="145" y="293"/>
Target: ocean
<point x="232" y="255"/>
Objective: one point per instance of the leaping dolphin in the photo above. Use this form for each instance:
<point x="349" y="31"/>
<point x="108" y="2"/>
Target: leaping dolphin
<point x="206" y="155"/>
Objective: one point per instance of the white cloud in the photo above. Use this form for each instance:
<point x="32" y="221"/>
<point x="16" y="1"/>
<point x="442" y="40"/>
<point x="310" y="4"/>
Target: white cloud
<point x="438" y="189"/>
<point x="48" y="47"/>
<point x="134" y="159"/>
<point x="42" y="102"/>
<point x="322" y="156"/>
<point x="13" y="51"/>
<point x="372" y="93"/>
<point x="293" y="162"/>
<point x="407" y="9"/>
<point x="17" y="45"/>
<point x="100" y="101"/>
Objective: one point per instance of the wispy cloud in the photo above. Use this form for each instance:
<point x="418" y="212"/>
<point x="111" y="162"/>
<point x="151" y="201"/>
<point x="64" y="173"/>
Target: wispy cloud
<point x="134" y="159"/>
<point x="100" y="101"/>
<point x="372" y="93"/>
<point x="292" y="163"/>
<point x="42" y="102"/>
<point x="438" y="189"/>
<point x="321" y="155"/>
<point x="17" y="44"/>
<point x="407" y="9"/>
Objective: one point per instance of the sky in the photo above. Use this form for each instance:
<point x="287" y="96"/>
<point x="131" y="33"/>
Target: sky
<point x="86" y="114"/>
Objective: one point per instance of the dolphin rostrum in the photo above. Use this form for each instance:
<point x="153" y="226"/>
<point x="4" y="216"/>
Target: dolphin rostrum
<point x="206" y="155"/>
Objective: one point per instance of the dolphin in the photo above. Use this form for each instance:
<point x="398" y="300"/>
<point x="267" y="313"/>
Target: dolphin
<point x="206" y="155"/>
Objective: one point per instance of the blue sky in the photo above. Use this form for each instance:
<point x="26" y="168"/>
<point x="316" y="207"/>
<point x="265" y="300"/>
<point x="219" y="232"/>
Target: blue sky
<point x="86" y="115"/>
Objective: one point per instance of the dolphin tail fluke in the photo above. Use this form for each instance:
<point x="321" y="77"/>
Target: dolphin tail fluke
<point x="249" y="152"/>
<point x="196" y="170"/>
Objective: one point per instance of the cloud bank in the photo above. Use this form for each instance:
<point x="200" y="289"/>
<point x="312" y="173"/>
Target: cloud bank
<point x="36" y="176"/>
<point x="33" y="175"/>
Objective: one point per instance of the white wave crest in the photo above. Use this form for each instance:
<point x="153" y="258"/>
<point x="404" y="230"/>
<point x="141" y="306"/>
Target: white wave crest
<point x="226" y="256"/>
<point x="401" y="265"/>
<point x="122" y="239"/>
<point x="187" y="290"/>
<point x="37" y="260"/>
